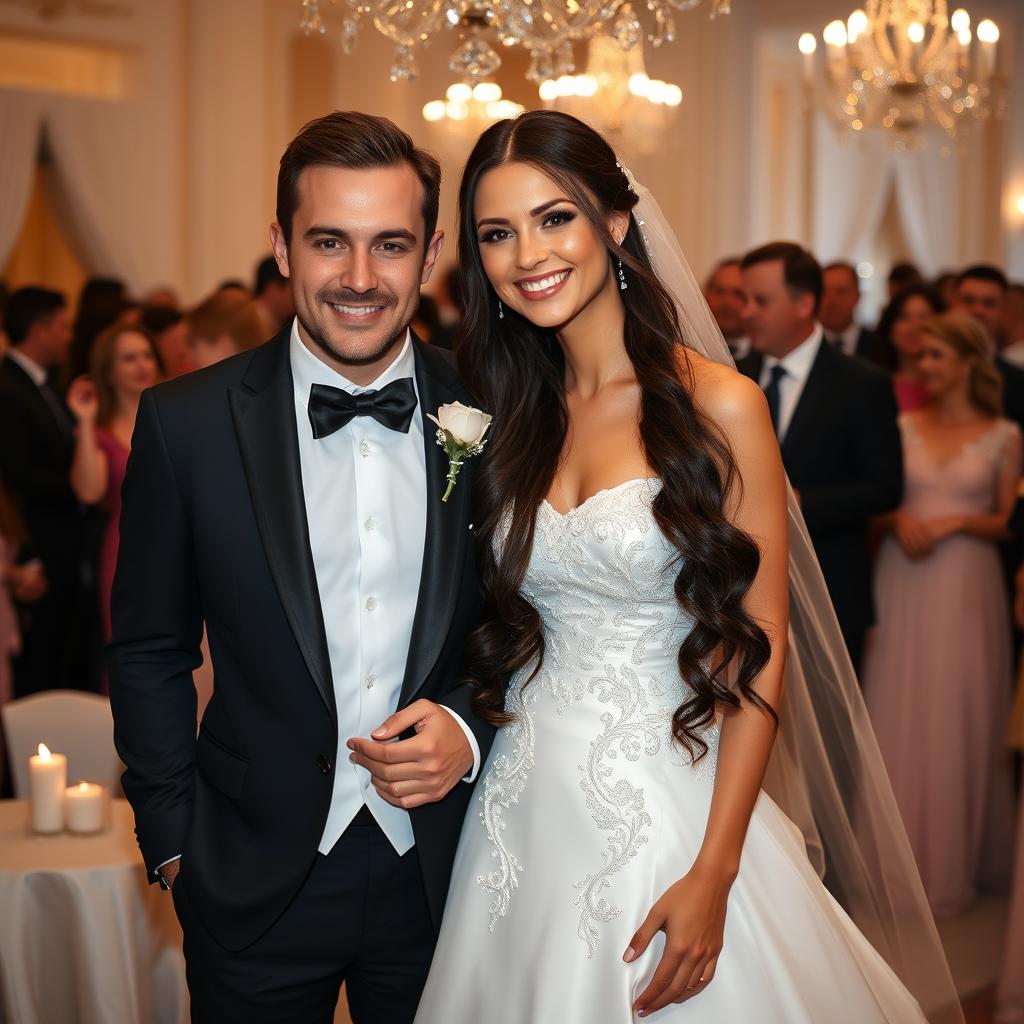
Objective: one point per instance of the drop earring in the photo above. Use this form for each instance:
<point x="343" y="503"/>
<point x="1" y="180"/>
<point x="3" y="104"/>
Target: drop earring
<point x="501" y="310"/>
<point x="622" y="278"/>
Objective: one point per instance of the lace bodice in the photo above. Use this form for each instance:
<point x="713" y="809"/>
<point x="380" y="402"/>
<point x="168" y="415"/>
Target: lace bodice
<point x="601" y="576"/>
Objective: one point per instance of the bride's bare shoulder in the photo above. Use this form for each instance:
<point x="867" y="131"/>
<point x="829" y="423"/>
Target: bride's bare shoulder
<point x="722" y="393"/>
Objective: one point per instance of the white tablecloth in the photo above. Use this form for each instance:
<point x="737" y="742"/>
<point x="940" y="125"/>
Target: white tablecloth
<point x="83" y="938"/>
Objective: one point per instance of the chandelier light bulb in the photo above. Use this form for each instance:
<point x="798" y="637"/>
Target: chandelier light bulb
<point x="548" y="90"/>
<point x="674" y="96"/>
<point x="856" y="24"/>
<point x="1020" y="205"/>
<point x="639" y="84"/>
<point x="964" y="37"/>
<point x="487" y="92"/>
<point x="434" y="110"/>
<point x="456" y="111"/>
<point x="915" y="32"/>
<point x="835" y="33"/>
<point x="459" y="92"/>
<point x="988" y="31"/>
<point x="960" y="21"/>
<point x="807" y="44"/>
<point x="586" y="85"/>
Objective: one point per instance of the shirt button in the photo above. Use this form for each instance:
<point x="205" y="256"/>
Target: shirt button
<point x="370" y="524"/>
<point x="364" y="449"/>
<point x="370" y="680"/>
<point x="371" y="603"/>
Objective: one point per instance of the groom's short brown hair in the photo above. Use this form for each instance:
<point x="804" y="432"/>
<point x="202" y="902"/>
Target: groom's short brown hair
<point x="347" y="138"/>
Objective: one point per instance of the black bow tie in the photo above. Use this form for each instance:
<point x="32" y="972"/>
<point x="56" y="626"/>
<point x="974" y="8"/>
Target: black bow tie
<point x="331" y="408"/>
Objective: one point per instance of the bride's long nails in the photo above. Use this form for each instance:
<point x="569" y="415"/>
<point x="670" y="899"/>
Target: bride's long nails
<point x="629" y="954"/>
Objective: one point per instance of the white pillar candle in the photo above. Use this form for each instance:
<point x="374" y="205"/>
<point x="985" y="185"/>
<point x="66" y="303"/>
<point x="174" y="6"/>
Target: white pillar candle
<point x="84" y="806"/>
<point x="48" y="778"/>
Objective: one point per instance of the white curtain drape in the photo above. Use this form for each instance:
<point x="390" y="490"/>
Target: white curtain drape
<point x="925" y="183"/>
<point x="113" y="194"/>
<point x="852" y="177"/>
<point x="20" y="126"/>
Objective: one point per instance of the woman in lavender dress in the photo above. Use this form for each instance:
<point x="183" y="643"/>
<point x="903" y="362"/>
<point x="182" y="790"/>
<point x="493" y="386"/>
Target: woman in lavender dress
<point x="938" y="673"/>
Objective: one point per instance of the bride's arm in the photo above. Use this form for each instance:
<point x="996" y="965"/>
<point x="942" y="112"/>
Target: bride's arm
<point x="692" y="912"/>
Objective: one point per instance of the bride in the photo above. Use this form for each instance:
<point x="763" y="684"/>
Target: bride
<point x="633" y="536"/>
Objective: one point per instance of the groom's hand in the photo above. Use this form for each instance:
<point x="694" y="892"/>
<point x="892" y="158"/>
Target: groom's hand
<point x="420" y="770"/>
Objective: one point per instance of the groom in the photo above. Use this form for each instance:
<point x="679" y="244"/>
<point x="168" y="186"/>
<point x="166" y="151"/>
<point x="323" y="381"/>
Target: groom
<point x="308" y="832"/>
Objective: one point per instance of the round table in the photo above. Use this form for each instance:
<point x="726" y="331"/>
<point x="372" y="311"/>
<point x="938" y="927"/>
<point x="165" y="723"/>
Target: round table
<point x="83" y="936"/>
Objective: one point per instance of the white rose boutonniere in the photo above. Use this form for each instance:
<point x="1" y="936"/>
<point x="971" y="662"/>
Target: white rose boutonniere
<point x="460" y="432"/>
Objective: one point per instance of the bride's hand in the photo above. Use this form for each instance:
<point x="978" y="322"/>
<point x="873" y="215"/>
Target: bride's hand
<point x="691" y="913"/>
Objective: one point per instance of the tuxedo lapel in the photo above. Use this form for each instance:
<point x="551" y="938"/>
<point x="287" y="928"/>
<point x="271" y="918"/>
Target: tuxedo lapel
<point x="811" y="410"/>
<point x="447" y="525"/>
<point x="263" y="409"/>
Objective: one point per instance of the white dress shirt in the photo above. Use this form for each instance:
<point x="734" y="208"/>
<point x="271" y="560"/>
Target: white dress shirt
<point x="739" y="347"/>
<point x="798" y="367"/>
<point x="846" y="341"/>
<point x="366" y="504"/>
<point x="30" y="366"/>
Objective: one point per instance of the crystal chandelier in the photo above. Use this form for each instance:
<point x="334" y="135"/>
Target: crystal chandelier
<point x="616" y="96"/>
<point x="906" y="65"/>
<point x="547" y="29"/>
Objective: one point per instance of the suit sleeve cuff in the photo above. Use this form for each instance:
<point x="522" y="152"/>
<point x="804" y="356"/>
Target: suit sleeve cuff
<point x="474" y="746"/>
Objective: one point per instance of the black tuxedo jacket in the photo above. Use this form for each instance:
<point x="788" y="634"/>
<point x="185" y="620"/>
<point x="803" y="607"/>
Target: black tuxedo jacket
<point x="214" y="528"/>
<point x="35" y="463"/>
<point x="843" y="454"/>
<point x="1013" y="390"/>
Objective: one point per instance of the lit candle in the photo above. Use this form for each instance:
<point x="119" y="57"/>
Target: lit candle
<point x="85" y="804"/>
<point x="48" y="778"/>
<point x="807" y="45"/>
<point x="987" y="35"/>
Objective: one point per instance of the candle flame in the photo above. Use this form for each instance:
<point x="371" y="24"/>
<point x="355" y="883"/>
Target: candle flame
<point x="83" y="787"/>
<point x="44" y="751"/>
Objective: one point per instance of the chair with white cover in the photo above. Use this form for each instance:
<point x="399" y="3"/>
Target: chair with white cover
<point x="78" y="725"/>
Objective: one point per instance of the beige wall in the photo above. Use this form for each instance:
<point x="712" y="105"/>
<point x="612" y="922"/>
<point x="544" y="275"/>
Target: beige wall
<point x="222" y="86"/>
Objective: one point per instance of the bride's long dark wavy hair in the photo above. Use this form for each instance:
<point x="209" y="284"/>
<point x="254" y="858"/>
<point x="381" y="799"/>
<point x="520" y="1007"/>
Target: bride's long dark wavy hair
<point x="515" y="371"/>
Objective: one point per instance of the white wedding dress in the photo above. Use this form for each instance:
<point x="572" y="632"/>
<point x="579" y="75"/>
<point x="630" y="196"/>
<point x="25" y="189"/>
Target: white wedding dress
<point x="587" y="811"/>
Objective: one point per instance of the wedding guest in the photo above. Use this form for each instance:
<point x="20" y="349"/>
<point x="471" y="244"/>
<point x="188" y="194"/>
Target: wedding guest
<point x="903" y="275"/>
<point x="1010" y="989"/>
<point x="124" y="363"/>
<point x="162" y="295"/>
<point x="938" y="671"/>
<point x="169" y="330"/>
<point x="1013" y="326"/>
<point x="221" y="326"/>
<point x="35" y="459"/>
<point x="945" y="286"/>
<point x="101" y="303"/>
<point x="899" y="342"/>
<point x="981" y="291"/>
<point x="272" y="297"/>
<point x="835" y="417"/>
<point x="235" y="289"/>
<point x="840" y="297"/>
<point x="724" y="293"/>
<point x="24" y="583"/>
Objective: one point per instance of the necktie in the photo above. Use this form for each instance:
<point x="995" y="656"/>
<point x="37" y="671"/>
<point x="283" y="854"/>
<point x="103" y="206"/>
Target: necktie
<point x="771" y="392"/>
<point x="331" y="408"/>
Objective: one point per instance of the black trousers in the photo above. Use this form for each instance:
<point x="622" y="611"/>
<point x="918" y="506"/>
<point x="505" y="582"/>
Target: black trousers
<point x="361" y="917"/>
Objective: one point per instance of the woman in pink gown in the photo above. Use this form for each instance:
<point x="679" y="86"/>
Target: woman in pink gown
<point x="124" y="364"/>
<point x="899" y="342"/>
<point x="938" y="671"/>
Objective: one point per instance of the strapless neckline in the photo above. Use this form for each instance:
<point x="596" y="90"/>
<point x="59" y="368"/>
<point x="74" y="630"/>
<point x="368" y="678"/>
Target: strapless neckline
<point x="597" y="494"/>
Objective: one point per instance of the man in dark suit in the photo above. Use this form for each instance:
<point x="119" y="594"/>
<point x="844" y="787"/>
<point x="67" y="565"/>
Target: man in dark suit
<point x="723" y="292"/>
<point x="840" y="296"/>
<point x="290" y="497"/>
<point x="835" y="417"/>
<point x="36" y="446"/>
<point x="981" y="290"/>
